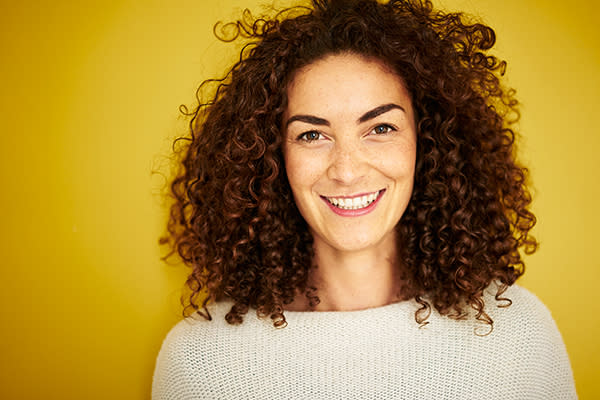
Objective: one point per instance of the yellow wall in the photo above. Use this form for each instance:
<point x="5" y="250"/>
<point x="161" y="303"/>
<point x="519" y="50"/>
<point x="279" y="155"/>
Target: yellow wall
<point x="88" y="105"/>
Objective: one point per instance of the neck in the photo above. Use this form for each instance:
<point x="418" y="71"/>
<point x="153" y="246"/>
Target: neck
<point x="353" y="280"/>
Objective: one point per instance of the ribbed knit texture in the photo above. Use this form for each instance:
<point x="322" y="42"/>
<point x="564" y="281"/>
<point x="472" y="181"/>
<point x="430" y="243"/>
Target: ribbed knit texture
<point x="379" y="353"/>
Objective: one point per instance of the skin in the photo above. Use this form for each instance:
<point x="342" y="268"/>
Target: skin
<point x="349" y="130"/>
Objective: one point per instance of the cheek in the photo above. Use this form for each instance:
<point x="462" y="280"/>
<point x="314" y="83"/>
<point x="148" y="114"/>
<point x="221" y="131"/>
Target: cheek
<point x="297" y="172"/>
<point x="303" y="170"/>
<point x="398" y="162"/>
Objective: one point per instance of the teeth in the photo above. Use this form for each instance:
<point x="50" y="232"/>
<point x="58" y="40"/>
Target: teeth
<point x="353" y="203"/>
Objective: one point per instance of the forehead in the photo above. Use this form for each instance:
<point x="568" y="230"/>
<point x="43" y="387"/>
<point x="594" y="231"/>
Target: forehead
<point x="344" y="82"/>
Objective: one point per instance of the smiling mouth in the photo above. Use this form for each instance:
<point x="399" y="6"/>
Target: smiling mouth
<point x="354" y="203"/>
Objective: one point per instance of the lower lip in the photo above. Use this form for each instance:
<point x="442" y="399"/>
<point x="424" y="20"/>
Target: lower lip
<point x="354" y="213"/>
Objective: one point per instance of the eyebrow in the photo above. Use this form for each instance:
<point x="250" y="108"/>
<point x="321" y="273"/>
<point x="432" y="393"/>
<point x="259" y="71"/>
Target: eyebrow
<point x="377" y="111"/>
<point x="310" y="119"/>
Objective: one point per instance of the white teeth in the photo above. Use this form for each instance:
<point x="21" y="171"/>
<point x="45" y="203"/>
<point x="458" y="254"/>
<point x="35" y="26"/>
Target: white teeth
<point x="353" y="203"/>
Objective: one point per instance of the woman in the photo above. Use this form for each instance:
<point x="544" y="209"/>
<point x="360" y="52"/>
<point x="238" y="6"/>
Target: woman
<point x="354" y="182"/>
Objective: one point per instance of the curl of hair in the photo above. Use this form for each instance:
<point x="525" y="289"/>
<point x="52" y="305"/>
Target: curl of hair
<point x="234" y="221"/>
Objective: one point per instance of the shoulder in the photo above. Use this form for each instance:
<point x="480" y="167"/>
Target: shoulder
<point x="531" y="341"/>
<point x="195" y="352"/>
<point x="526" y="318"/>
<point x="526" y="311"/>
<point x="197" y="335"/>
<point x="191" y="351"/>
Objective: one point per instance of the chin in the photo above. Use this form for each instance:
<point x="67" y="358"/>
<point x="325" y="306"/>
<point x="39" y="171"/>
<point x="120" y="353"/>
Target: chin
<point x="353" y="244"/>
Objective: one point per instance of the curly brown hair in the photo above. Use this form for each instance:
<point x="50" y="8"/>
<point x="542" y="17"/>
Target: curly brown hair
<point x="234" y="220"/>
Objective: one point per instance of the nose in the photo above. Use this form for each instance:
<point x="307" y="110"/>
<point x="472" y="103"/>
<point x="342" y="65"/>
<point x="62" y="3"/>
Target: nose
<point x="348" y="164"/>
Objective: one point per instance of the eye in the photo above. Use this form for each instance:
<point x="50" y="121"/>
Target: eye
<point x="382" y="129"/>
<point x="309" y="136"/>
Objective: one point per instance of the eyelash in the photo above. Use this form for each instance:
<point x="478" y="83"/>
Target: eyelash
<point x="389" y="129"/>
<point x="303" y="136"/>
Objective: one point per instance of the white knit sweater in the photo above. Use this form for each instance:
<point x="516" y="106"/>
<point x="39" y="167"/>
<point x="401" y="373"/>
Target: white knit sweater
<point x="378" y="353"/>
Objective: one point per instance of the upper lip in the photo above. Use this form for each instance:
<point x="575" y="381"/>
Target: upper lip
<point x="353" y="195"/>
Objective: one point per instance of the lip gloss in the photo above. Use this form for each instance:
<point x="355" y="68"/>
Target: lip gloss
<point x="354" y="213"/>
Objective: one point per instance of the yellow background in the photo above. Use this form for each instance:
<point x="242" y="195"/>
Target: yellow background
<point x="89" y="98"/>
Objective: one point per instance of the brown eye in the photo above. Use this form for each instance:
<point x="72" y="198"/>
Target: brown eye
<point x="310" y="136"/>
<point x="382" y="129"/>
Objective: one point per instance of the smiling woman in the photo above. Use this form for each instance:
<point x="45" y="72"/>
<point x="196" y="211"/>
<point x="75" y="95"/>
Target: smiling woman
<point x="353" y="180"/>
<point x="350" y="150"/>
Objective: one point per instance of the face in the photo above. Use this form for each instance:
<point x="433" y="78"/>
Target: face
<point x="350" y="150"/>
